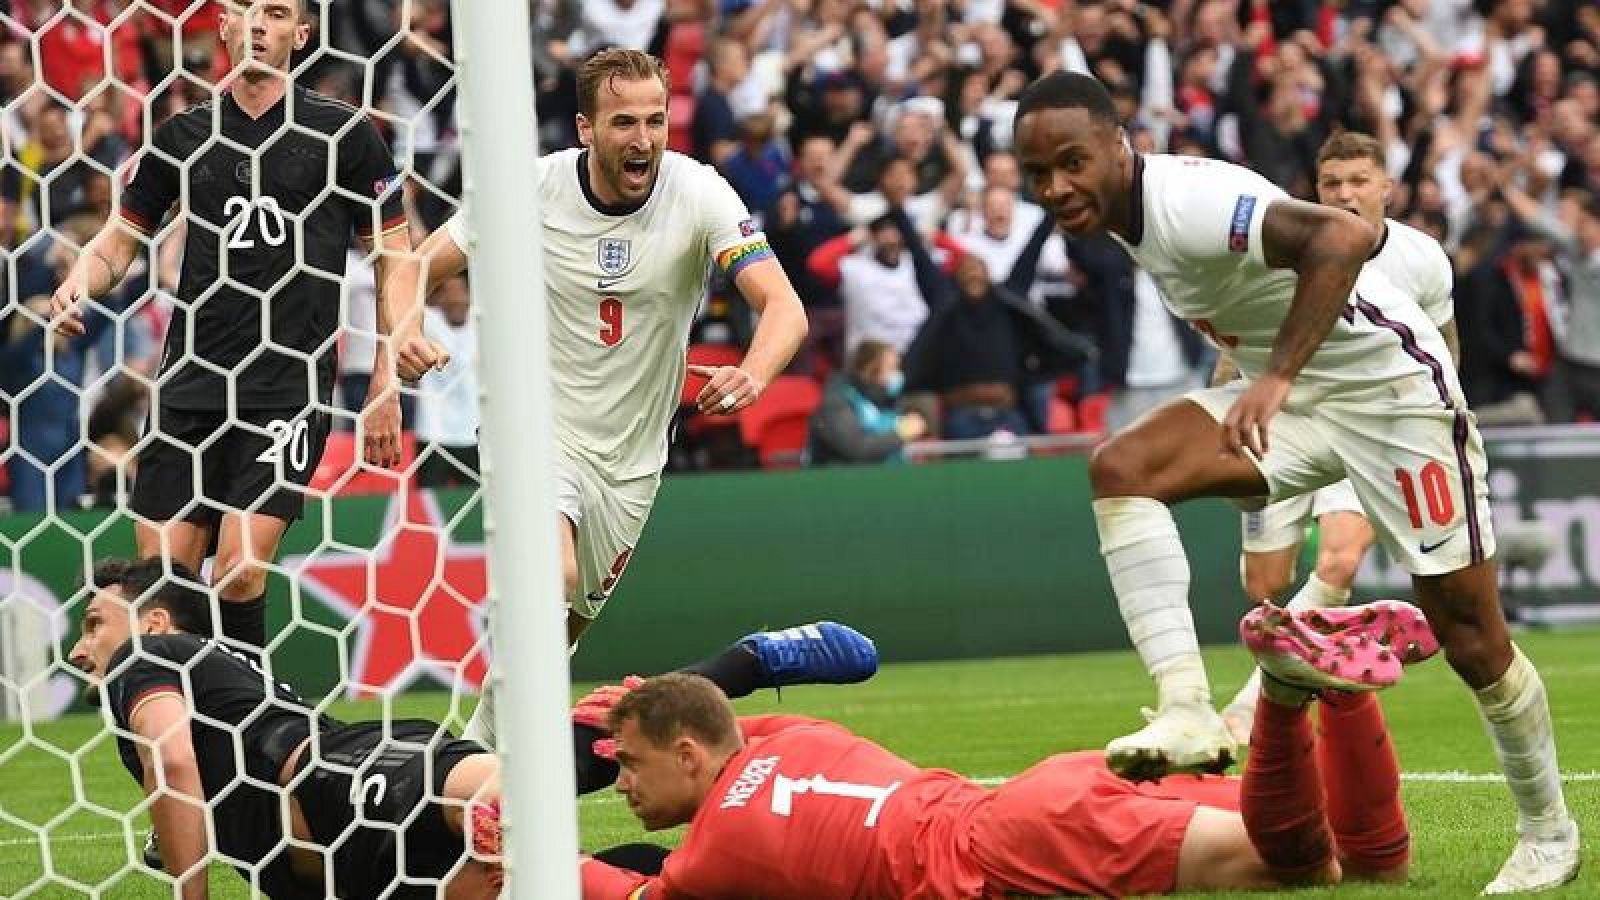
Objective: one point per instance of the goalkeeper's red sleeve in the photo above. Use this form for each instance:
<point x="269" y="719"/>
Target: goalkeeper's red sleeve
<point x="761" y="726"/>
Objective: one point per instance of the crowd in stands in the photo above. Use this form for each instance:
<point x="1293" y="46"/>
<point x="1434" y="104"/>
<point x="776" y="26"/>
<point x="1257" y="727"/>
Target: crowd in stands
<point x="871" y="138"/>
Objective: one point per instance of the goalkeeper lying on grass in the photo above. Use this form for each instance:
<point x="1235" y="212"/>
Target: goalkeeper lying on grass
<point x="790" y="808"/>
<point x="323" y="808"/>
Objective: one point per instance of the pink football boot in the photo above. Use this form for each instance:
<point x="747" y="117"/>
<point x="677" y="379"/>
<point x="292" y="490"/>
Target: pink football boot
<point x="1394" y="623"/>
<point x="1356" y="656"/>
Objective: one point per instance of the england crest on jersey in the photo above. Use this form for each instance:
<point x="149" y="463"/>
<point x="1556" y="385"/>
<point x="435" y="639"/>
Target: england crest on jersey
<point x="614" y="255"/>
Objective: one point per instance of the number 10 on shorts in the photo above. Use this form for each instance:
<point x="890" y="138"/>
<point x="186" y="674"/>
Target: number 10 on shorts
<point x="1435" y="482"/>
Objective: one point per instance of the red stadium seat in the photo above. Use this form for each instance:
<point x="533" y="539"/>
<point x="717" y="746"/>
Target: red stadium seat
<point x="1092" y="413"/>
<point x="680" y="122"/>
<point x="342" y="457"/>
<point x="776" y="426"/>
<point x="686" y="43"/>
<point x="706" y="355"/>
<point x="1062" y="419"/>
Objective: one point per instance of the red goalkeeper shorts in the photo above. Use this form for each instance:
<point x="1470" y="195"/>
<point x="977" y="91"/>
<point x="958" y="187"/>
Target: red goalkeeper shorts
<point x="1068" y="825"/>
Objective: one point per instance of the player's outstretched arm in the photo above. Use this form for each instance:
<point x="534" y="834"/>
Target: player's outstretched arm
<point x="172" y="777"/>
<point x="99" y="269"/>
<point x="783" y="327"/>
<point x="399" y="325"/>
<point x="409" y="279"/>
<point x="1327" y="248"/>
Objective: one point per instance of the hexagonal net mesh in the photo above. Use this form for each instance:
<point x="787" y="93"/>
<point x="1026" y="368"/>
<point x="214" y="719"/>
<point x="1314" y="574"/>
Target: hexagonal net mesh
<point x="193" y="256"/>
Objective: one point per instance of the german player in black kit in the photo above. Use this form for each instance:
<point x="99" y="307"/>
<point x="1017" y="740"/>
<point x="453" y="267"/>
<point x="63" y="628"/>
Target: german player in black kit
<point x="375" y="808"/>
<point x="274" y="179"/>
<point x="359" y="799"/>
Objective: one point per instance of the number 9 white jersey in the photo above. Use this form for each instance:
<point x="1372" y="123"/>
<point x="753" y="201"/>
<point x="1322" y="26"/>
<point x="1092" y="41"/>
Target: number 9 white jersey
<point x="623" y="287"/>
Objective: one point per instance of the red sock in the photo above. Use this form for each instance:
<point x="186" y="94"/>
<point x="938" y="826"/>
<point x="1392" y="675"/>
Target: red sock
<point x="1361" y="777"/>
<point x="1281" y="798"/>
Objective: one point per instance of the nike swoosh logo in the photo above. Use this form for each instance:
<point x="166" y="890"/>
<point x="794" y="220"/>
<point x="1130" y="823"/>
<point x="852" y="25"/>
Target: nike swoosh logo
<point x="605" y="285"/>
<point x="1429" y="548"/>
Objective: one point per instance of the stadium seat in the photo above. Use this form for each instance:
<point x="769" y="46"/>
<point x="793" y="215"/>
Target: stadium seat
<point x="1062" y="418"/>
<point x="343" y="455"/>
<point x="777" y="424"/>
<point x="707" y="355"/>
<point x="680" y="121"/>
<point x="686" y="44"/>
<point x="1092" y="413"/>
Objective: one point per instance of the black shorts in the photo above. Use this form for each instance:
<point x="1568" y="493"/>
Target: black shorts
<point x="393" y="777"/>
<point x="263" y="469"/>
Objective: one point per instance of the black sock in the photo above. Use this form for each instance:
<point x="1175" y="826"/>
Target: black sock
<point x="245" y="622"/>
<point x="736" y="670"/>
<point x="594" y="772"/>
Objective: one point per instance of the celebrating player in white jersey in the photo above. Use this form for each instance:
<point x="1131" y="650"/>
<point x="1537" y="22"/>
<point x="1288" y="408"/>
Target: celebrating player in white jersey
<point x="630" y="232"/>
<point x="1351" y="175"/>
<point x="1344" y="376"/>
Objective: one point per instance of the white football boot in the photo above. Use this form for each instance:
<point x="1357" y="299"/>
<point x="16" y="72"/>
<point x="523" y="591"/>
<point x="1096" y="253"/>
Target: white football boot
<point x="1185" y="738"/>
<point x="1539" y="863"/>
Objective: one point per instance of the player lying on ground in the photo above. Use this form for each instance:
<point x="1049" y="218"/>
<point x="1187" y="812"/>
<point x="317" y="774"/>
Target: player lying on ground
<point x="790" y="808"/>
<point x="185" y="707"/>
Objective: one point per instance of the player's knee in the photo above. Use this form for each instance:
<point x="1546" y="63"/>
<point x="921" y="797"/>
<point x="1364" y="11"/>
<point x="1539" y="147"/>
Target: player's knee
<point x="1117" y="469"/>
<point x="1478" y="656"/>
<point x="238" y="579"/>
<point x="1265" y="583"/>
<point x="1337" y="566"/>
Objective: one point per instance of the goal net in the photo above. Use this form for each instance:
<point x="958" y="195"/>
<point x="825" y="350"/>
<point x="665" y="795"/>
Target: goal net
<point x="375" y="598"/>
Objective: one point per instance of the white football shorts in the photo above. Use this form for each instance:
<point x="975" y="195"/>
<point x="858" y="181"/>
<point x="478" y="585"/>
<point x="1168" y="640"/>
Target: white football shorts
<point x="1416" y="464"/>
<point x="1281" y="525"/>
<point x="607" y="517"/>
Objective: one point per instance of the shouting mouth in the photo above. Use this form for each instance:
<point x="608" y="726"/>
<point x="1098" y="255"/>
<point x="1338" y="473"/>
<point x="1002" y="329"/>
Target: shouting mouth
<point x="636" y="171"/>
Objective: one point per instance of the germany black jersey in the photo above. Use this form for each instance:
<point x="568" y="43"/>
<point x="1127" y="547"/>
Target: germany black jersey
<point x="223" y="688"/>
<point x="260" y="196"/>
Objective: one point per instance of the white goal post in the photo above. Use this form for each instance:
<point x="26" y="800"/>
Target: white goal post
<point x="69" y="821"/>
<point x="529" y="670"/>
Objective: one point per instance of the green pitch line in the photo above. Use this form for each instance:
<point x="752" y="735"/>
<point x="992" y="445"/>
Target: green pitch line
<point x="989" y="717"/>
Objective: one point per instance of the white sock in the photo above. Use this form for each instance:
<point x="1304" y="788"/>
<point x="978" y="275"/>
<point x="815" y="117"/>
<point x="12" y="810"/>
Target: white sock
<point x="1318" y="594"/>
<point x="1150" y="576"/>
<point x="480" y="727"/>
<point x="1517" y="716"/>
<point x="1247" y="696"/>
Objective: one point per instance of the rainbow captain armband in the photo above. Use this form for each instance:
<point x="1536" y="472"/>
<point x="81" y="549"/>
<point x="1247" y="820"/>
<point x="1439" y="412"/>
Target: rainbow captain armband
<point x="736" y="259"/>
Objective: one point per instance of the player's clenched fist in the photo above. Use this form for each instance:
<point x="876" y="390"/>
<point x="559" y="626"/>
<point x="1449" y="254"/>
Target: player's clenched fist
<point x="416" y="356"/>
<point x="728" y="389"/>
<point x="380" y="429"/>
<point x="66" y="310"/>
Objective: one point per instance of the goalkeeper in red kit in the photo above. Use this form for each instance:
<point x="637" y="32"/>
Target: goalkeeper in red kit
<point x="786" y="807"/>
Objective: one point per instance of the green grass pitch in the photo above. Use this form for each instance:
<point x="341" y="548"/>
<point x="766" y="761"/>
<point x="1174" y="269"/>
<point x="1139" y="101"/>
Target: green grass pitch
<point x="986" y="718"/>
